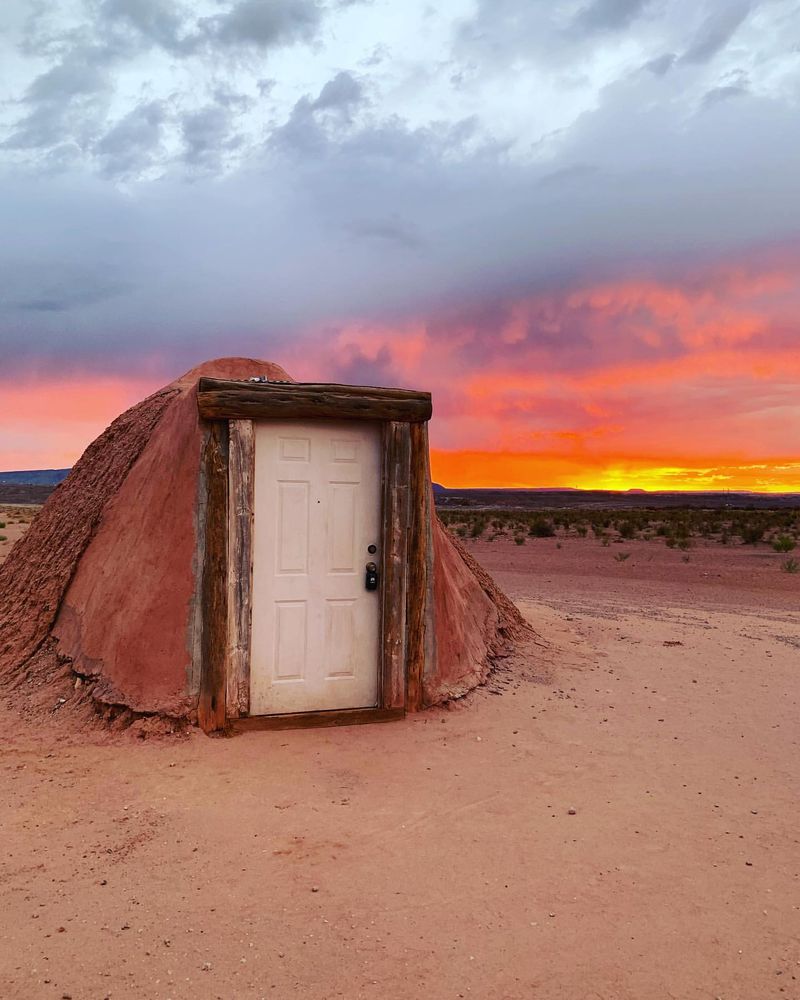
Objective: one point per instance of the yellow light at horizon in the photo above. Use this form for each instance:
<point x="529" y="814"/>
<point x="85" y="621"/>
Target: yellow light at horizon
<point x="518" y="471"/>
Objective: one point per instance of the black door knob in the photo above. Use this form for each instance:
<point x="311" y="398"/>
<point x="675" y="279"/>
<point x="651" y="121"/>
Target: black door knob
<point x="371" y="579"/>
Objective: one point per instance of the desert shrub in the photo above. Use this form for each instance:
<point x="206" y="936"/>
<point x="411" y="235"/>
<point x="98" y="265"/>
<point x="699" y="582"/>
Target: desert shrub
<point x="684" y="543"/>
<point x="3" y="538"/>
<point x="685" y="558"/>
<point x="2" y="524"/>
<point x="783" y="543"/>
<point x="519" y="539"/>
<point x="725" y="525"/>
<point x="751" y="534"/>
<point x="478" y="527"/>
<point x="622" y="556"/>
<point x="790" y="565"/>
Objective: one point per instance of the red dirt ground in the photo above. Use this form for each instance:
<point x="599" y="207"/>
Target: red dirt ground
<point x="439" y="856"/>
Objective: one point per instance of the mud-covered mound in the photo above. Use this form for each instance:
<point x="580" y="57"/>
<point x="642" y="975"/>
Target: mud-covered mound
<point x="104" y="592"/>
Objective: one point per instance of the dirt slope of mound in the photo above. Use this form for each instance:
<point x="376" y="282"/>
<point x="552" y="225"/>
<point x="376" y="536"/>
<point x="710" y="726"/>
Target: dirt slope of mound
<point x="37" y="572"/>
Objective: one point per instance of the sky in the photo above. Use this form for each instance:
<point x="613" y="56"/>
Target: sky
<point x="575" y="222"/>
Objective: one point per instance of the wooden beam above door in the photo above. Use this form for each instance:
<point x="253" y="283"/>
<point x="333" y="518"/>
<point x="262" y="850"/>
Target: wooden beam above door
<point x="222" y="399"/>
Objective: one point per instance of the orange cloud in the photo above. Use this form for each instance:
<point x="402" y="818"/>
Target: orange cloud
<point x="688" y="382"/>
<point x="48" y="422"/>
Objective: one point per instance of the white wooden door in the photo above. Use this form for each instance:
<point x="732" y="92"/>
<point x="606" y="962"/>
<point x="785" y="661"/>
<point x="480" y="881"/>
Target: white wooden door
<point x="315" y="630"/>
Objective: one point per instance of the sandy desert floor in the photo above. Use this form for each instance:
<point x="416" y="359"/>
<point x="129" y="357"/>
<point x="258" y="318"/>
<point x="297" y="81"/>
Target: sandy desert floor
<point x="615" y="818"/>
<point x="16" y="521"/>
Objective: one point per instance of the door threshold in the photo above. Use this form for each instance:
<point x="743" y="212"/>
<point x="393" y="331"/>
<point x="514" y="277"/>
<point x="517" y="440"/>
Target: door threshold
<point x="316" y="720"/>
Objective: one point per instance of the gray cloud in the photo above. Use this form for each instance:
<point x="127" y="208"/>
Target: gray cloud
<point x="244" y="227"/>
<point x="266" y="23"/>
<point x="726" y="93"/>
<point x="717" y="30"/>
<point x="661" y="64"/>
<point x="161" y="23"/>
<point x="610" y="15"/>
<point x="391" y="231"/>
<point x="385" y="221"/>
<point x="341" y="93"/>
<point x="550" y="34"/>
<point x="65" y="103"/>
<point x="206" y="133"/>
<point x="134" y="142"/>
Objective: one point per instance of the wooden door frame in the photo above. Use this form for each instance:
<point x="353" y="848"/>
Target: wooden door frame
<point x="228" y="474"/>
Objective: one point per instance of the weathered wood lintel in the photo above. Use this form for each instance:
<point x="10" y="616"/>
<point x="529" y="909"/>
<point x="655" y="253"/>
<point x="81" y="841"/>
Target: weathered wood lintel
<point x="317" y="720"/>
<point x="222" y="399"/>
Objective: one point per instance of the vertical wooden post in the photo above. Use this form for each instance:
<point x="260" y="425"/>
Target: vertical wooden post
<point x="241" y="473"/>
<point x="417" y="586"/>
<point x="396" y="507"/>
<point x="211" y="704"/>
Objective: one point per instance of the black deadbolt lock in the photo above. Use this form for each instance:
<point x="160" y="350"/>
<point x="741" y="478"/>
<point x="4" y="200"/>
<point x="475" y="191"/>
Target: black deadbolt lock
<point x="371" y="580"/>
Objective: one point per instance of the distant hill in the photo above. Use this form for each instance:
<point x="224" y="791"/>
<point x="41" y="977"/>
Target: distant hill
<point x="35" y="477"/>
<point x="548" y="499"/>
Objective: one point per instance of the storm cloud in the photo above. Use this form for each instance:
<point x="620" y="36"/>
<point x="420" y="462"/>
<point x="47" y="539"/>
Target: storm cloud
<point x="181" y="181"/>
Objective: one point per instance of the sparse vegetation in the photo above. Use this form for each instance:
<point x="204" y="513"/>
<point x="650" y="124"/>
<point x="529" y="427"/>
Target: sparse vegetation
<point x="752" y="534"/>
<point x="790" y="565"/>
<point x="679" y="527"/>
<point x="478" y="527"/>
<point x="622" y="556"/>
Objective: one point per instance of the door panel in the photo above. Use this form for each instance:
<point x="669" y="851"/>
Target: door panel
<point x="316" y="629"/>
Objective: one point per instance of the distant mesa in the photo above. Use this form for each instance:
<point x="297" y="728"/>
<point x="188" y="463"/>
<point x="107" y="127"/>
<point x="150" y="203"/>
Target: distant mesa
<point x="633" y="490"/>
<point x="34" y="477"/>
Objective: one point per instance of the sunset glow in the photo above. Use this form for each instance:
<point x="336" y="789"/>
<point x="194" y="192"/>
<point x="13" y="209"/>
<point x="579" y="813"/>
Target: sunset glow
<point x="686" y="385"/>
<point x="576" y="223"/>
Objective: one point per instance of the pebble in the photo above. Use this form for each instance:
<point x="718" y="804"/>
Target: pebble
<point x="571" y="812"/>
